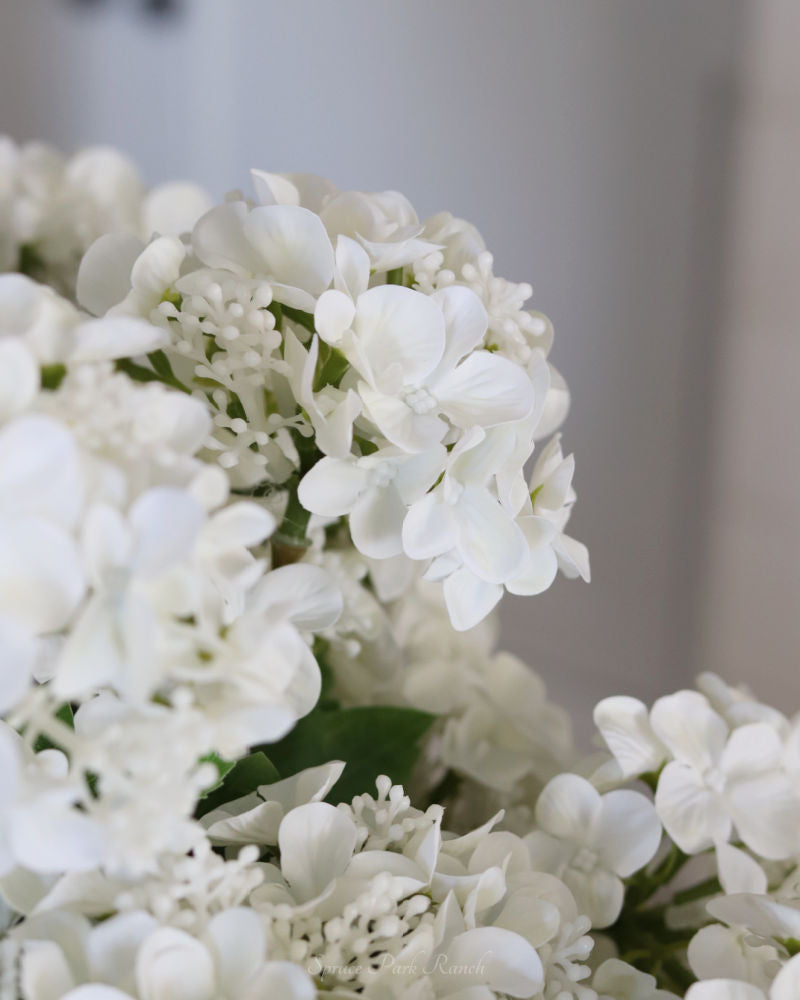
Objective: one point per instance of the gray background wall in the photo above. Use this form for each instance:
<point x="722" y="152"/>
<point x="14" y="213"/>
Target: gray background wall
<point x="596" y="146"/>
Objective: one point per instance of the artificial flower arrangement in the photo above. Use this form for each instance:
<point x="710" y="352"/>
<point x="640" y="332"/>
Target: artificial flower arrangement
<point x="261" y="486"/>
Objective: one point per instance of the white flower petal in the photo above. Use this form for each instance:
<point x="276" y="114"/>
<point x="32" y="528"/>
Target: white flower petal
<point x="692" y="815"/>
<point x="19" y="377"/>
<point x="766" y="811"/>
<point x="165" y="522"/>
<point x="104" y="277"/>
<point x="690" y="728"/>
<point x="281" y="979"/>
<point x="599" y="894"/>
<point x="51" y="838"/>
<point x="316" y="843"/>
<point x="333" y="315"/>
<point x="115" y="337"/>
<point x="218" y="240"/>
<point x="628" y="831"/>
<point x="738" y="872"/>
<point x="17" y="658"/>
<point x="41" y="580"/>
<point x="302" y="594"/>
<point x="489" y="541"/>
<point x="503" y="960"/>
<point x="171" y="965"/>
<point x="465" y="321"/>
<point x="352" y="267"/>
<point x="469" y="599"/>
<point x="624" y="724"/>
<point x="568" y="807"/>
<point x="40" y="472"/>
<point x="428" y="529"/>
<point x="332" y="487"/>
<point x="293" y="245"/>
<point x="752" y="750"/>
<point x="237" y="941"/>
<point x="376" y="523"/>
<point x="173" y="208"/>
<point x="274" y="189"/>
<point x="786" y="985"/>
<point x="397" y="421"/>
<point x="398" y="326"/>
<point x="484" y="390"/>
<point x="113" y="945"/>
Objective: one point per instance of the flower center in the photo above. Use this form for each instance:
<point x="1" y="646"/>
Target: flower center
<point x="420" y="401"/>
<point x="585" y="860"/>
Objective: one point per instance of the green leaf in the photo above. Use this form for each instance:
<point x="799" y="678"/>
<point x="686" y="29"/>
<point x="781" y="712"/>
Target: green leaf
<point x="141" y="374"/>
<point x="64" y="715"/>
<point x="30" y="261"/>
<point x="395" y="276"/>
<point x="52" y="376"/>
<point x="298" y="316"/>
<point x="372" y="740"/>
<point x="240" y="779"/>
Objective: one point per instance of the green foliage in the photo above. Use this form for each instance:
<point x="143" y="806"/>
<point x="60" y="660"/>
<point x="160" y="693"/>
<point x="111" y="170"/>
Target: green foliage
<point x="236" y="780"/>
<point x="52" y="376"/>
<point x="30" y="261"/>
<point x="373" y="740"/>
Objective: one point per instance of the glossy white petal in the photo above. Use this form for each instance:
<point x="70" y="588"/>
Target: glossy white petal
<point x="302" y="594"/>
<point x="17" y="658"/>
<point x="738" y="872"/>
<point x="428" y="528"/>
<point x="469" y="599"/>
<point x="624" y="724"/>
<point x="332" y="487"/>
<point x="293" y="245"/>
<point x="465" y="321"/>
<point x="53" y="838"/>
<point x="115" y="337"/>
<point x="399" y="423"/>
<point x="398" y="326"/>
<point x="104" y="277"/>
<point x="237" y="941"/>
<point x="333" y="316"/>
<point x="786" y="985"/>
<point x="692" y="815"/>
<point x="165" y="522"/>
<point x="19" y="377"/>
<point x="628" y="831"/>
<point x="40" y="473"/>
<point x="173" y="208"/>
<point x="281" y="979"/>
<point x="688" y="726"/>
<point x="502" y="959"/>
<point x="376" y="523"/>
<point x="485" y="390"/>
<point x="490" y="542"/>
<point x="41" y="580"/>
<point x="171" y="965"/>
<point x="316" y="843"/>
<point x="568" y="806"/>
<point x="218" y="239"/>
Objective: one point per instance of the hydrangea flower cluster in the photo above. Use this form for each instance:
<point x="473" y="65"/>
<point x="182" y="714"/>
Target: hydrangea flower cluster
<point x="53" y="208"/>
<point x="360" y="364"/>
<point x="261" y="486"/>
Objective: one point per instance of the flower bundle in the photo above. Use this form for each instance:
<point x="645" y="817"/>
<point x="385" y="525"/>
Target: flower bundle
<point x="262" y="484"/>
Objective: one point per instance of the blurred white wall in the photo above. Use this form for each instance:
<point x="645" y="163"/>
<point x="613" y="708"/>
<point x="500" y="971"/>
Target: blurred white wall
<point x="589" y="142"/>
<point x="750" y="628"/>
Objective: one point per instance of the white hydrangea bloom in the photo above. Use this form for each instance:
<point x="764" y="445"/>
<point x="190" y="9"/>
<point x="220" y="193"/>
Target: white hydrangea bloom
<point x="340" y="378"/>
<point x="52" y="208"/>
